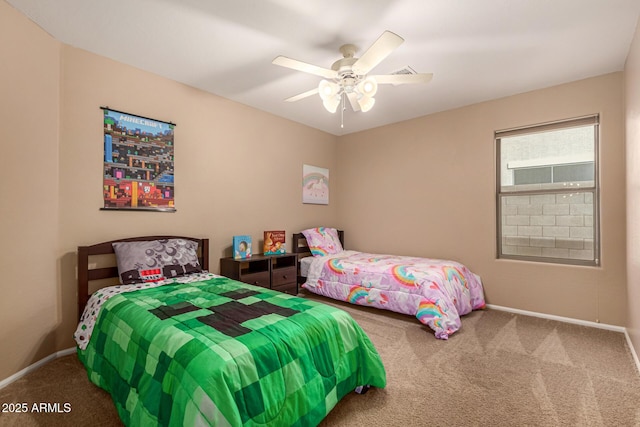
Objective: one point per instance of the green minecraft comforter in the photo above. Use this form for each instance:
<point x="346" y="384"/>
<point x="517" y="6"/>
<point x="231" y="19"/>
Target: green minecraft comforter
<point x="223" y="353"/>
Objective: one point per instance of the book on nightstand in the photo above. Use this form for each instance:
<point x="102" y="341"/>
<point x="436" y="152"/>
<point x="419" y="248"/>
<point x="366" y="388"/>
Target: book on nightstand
<point x="241" y="247"/>
<point x="274" y="242"/>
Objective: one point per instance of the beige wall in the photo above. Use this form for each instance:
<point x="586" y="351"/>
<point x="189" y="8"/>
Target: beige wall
<point x="427" y="187"/>
<point x="29" y="111"/>
<point x="238" y="171"/>
<point x="421" y="187"/>
<point x="632" y="97"/>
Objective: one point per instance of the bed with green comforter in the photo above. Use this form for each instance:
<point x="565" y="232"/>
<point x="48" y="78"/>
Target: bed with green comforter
<point x="224" y="353"/>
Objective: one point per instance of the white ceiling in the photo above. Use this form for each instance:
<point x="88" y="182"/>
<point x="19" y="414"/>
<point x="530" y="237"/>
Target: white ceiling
<point x="476" y="49"/>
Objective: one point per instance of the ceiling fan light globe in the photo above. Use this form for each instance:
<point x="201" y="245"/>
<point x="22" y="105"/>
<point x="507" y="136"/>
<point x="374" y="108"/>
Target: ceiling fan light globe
<point x="327" y="89"/>
<point x="331" y="104"/>
<point x="366" y="103"/>
<point x="368" y="87"/>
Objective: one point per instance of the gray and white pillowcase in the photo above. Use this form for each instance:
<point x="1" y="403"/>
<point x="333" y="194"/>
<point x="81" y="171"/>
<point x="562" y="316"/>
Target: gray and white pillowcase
<point x="147" y="261"/>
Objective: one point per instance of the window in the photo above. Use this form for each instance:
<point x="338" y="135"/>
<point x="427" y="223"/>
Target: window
<point x="554" y="173"/>
<point x="547" y="192"/>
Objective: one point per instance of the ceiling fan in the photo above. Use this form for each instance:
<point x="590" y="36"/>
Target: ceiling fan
<point x="348" y="77"/>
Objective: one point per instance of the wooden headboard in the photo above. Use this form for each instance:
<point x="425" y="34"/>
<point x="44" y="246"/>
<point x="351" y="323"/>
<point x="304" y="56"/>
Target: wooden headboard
<point x="92" y="272"/>
<point x="299" y="246"/>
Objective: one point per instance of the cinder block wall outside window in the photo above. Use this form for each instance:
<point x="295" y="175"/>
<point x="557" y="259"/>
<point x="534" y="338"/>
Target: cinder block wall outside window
<point x="549" y="225"/>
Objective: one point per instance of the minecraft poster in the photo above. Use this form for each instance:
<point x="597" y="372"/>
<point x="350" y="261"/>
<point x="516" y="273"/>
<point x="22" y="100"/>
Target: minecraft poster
<point x="138" y="163"/>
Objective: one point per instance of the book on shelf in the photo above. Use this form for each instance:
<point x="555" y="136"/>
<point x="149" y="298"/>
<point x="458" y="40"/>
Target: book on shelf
<point x="274" y="242"/>
<point x="241" y="247"/>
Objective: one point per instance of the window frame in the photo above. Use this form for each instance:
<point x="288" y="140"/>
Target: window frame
<point x="552" y="171"/>
<point x="590" y="120"/>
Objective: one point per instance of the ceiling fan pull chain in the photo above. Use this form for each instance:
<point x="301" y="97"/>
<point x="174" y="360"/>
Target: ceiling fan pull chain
<point x="342" y="112"/>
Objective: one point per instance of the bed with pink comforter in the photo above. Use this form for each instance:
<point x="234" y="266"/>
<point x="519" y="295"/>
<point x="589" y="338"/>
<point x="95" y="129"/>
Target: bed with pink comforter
<point x="436" y="291"/>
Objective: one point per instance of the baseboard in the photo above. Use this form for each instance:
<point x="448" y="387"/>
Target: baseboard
<point x="633" y="350"/>
<point x="35" y="366"/>
<point x="575" y="322"/>
<point x="559" y="318"/>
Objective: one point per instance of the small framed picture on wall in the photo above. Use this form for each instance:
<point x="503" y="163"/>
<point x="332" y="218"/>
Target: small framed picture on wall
<point x="315" y="185"/>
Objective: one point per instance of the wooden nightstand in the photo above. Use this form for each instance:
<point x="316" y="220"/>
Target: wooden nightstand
<point x="277" y="272"/>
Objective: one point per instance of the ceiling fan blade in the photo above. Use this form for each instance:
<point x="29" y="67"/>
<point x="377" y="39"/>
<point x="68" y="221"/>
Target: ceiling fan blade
<point x="401" y="79"/>
<point x="353" y="100"/>
<point x="379" y="50"/>
<point x="283" y="61"/>
<point x="302" y="95"/>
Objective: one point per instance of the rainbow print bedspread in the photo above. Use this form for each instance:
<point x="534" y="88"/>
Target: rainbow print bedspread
<point x="219" y="352"/>
<point x="436" y="291"/>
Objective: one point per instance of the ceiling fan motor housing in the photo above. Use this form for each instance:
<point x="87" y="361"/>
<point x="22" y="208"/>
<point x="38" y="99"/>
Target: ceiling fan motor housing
<point x="348" y="76"/>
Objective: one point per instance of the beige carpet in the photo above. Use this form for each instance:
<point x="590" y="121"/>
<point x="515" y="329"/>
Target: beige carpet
<point x="500" y="369"/>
